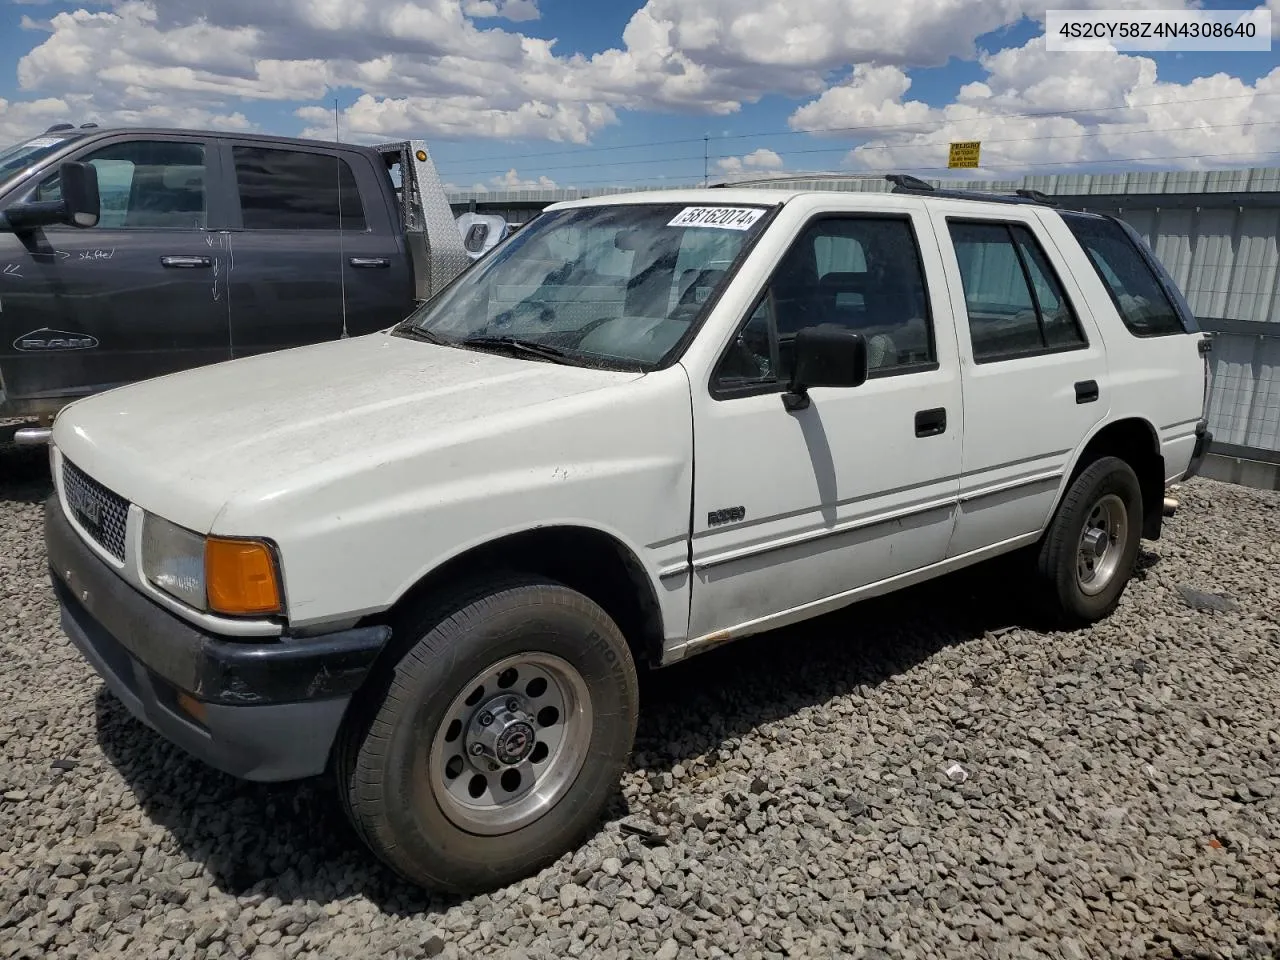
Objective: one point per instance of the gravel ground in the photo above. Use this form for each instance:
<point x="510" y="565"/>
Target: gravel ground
<point x="926" y="775"/>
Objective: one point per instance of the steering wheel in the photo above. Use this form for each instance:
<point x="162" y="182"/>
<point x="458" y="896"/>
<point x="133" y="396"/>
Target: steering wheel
<point x="685" y="312"/>
<point x="573" y="338"/>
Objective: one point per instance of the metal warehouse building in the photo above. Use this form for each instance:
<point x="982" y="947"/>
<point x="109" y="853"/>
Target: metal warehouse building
<point x="1216" y="231"/>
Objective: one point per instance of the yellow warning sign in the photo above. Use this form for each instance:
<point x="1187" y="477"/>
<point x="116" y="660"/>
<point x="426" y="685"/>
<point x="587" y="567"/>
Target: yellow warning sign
<point x="964" y="153"/>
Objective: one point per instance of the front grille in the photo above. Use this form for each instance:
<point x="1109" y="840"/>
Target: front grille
<point x="101" y="513"/>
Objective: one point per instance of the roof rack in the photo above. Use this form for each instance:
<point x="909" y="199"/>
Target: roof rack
<point x="905" y="183"/>
<point x="784" y="177"/>
<point x="59" y="127"/>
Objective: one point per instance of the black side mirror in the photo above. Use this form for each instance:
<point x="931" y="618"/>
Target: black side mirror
<point x="80" y="205"/>
<point x="80" y="193"/>
<point x="826" y="356"/>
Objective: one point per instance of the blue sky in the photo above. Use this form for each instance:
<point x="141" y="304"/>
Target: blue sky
<point x="627" y="90"/>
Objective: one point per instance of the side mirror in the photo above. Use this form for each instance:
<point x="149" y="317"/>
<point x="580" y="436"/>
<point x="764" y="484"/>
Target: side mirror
<point x="80" y="193"/>
<point x="80" y="205"/>
<point x="826" y="356"/>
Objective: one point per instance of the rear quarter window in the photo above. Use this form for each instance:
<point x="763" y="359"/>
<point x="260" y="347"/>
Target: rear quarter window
<point x="1136" y="290"/>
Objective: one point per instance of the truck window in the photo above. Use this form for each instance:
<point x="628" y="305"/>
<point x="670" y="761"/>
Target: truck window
<point x="145" y="183"/>
<point x="21" y="156"/>
<point x="863" y="273"/>
<point x="294" y="190"/>
<point x="618" y="286"/>
<point x="1014" y="300"/>
<point x="1136" y="292"/>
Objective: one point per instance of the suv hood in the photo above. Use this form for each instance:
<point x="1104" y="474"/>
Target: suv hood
<point x="183" y="445"/>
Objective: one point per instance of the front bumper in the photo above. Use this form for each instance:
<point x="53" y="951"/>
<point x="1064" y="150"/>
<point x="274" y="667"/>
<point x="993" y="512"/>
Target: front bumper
<point x="260" y="711"/>
<point x="1204" y="440"/>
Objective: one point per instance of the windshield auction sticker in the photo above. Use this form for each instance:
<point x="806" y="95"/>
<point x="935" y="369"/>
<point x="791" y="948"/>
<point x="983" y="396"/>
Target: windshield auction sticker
<point x="723" y="218"/>
<point x="41" y="142"/>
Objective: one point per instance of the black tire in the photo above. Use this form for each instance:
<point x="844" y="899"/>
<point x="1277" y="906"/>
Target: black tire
<point x="382" y="758"/>
<point x="1066" y="598"/>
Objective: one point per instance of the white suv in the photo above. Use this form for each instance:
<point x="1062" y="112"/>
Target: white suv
<point x="428" y="561"/>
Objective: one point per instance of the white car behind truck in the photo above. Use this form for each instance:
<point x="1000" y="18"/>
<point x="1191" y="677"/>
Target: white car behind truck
<point x="430" y="561"/>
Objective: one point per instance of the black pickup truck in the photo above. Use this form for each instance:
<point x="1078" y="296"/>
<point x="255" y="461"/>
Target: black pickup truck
<point x="127" y="254"/>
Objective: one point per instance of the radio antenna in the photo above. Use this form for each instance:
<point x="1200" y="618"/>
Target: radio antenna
<point x="342" y="251"/>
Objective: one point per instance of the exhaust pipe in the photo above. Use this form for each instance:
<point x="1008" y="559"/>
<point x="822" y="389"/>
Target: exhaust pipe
<point x="32" y="436"/>
<point x="1170" y="506"/>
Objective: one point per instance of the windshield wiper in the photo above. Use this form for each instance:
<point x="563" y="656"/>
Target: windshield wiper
<point x="531" y="347"/>
<point x="417" y="333"/>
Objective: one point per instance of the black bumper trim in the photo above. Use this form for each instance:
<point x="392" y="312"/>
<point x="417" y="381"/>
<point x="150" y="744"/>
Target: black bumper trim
<point x="211" y="668"/>
<point x="1204" y="440"/>
<point x="268" y="710"/>
<point x="271" y="742"/>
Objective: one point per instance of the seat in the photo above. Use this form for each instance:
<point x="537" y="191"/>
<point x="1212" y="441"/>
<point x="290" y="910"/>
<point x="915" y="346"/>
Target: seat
<point x="166" y="197"/>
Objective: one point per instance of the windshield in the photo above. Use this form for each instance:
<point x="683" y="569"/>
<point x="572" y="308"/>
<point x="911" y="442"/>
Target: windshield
<point x="611" y="286"/>
<point x="20" y="156"/>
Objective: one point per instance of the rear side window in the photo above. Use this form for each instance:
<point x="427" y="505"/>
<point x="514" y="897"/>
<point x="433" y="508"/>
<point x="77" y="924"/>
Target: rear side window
<point x="292" y="190"/>
<point x="1135" y="290"/>
<point x="1016" y="305"/>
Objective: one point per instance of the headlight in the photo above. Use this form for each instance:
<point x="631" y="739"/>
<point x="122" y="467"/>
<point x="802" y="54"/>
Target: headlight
<point x="214" y="574"/>
<point x="173" y="559"/>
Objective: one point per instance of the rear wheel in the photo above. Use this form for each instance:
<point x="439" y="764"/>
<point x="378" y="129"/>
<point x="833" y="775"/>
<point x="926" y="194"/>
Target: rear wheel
<point x="1086" y="558"/>
<point x="498" y="740"/>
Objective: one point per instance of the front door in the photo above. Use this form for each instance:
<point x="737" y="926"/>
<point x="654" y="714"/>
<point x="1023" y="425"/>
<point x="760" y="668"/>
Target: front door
<point x="1035" y="373"/>
<point x="793" y="511"/>
<point x="135" y="297"/>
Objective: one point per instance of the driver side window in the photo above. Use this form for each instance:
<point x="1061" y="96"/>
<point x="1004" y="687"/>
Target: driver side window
<point x="859" y="272"/>
<point x="144" y="183"/>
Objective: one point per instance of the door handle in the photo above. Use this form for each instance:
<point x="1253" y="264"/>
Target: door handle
<point x="930" y="423"/>
<point x="186" y="263"/>
<point x="1086" y="391"/>
<point x="368" y="262"/>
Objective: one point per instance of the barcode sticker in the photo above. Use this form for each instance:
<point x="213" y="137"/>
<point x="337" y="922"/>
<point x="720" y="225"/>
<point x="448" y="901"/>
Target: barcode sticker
<point x="722" y="218"/>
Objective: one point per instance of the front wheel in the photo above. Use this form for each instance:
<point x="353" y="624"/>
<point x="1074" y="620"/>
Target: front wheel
<point x="498" y="739"/>
<point x="1087" y="556"/>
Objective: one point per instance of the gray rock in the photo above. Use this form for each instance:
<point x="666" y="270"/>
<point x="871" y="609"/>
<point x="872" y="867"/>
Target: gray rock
<point x="1201" y="600"/>
<point x="1094" y="808"/>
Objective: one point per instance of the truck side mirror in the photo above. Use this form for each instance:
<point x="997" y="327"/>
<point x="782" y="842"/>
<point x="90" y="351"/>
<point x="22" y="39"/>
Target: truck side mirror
<point x="826" y="356"/>
<point x="80" y="205"/>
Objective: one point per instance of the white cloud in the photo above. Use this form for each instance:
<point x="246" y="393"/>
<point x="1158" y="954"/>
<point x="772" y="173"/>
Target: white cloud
<point x="424" y="66"/>
<point x="761" y="159"/>
<point x="459" y="69"/>
<point x="511" y="180"/>
<point x="29" y="117"/>
<point x="871" y="100"/>
<point x="370" y="119"/>
<point x="1036" y="107"/>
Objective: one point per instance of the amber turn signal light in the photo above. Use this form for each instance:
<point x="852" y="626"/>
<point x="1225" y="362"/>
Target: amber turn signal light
<point x="241" y="577"/>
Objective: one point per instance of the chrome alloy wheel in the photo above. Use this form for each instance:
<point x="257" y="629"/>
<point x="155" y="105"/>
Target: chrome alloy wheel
<point x="511" y="743"/>
<point x="1102" y="544"/>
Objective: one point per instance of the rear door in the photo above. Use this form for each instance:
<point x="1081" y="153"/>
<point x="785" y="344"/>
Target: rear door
<point x="1035" y="370"/>
<point x="286" y="276"/>
<point x="377" y="278"/>
<point x="135" y="297"/>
